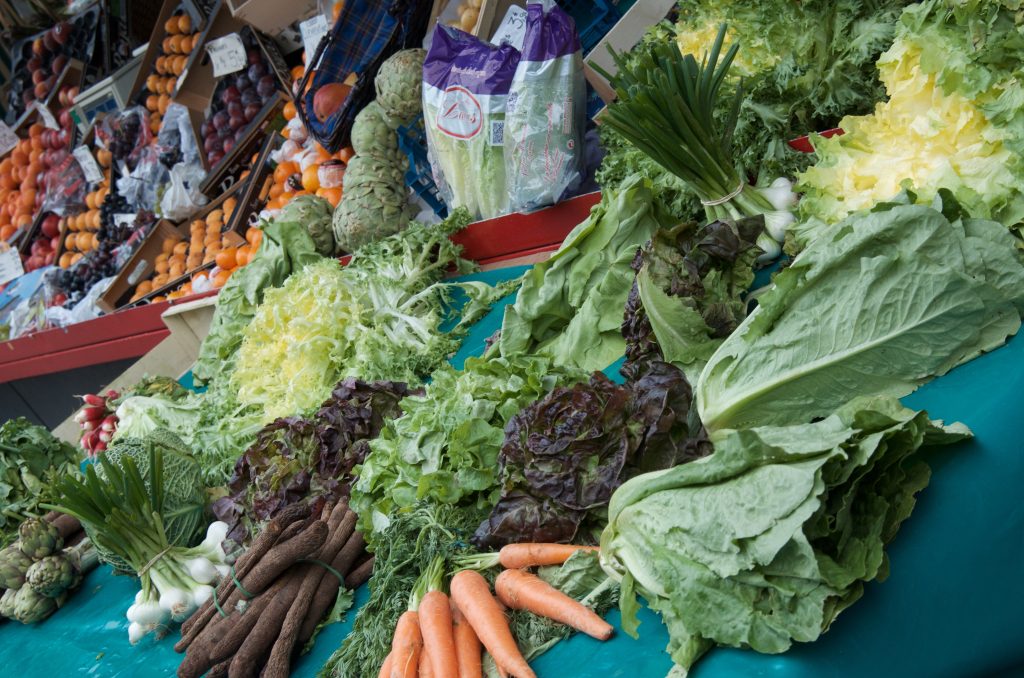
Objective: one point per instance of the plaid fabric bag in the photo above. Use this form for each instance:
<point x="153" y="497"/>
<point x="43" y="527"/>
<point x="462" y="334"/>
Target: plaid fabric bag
<point x="366" y="33"/>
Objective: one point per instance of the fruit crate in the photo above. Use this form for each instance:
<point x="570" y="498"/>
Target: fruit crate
<point x="256" y="192"/>
<point x="412" y="140"/>
<point x="156" y="40"/>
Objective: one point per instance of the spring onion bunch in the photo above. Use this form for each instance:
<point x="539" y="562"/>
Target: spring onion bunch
<point x="665" y="107"/>
<point x="122" y="512"/>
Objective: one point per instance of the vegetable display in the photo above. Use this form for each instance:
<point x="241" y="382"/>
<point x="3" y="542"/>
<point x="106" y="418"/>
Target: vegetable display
<point x="768" y="539"/>
<point x="31" y="462"/>
<point x="951" y="288"/>
<point x="565" y="454"/>
<point x="950" y="122"/>
<point x="570" y="306"/>
<point x="295" y="460"/>
<point x="445" y="445"/>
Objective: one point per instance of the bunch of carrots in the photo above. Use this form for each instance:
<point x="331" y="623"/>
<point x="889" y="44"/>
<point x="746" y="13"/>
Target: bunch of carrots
<point x="441" y="637"/>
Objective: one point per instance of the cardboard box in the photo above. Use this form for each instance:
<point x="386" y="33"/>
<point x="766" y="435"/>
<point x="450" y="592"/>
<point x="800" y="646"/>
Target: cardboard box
<point x="622" y="38"/>
<point x="197" y="85"/>
<point x="272" y="16"/>
<point x="253" y="197"/>
<point x="142" y="264"/>
<point x="156" y="39"/>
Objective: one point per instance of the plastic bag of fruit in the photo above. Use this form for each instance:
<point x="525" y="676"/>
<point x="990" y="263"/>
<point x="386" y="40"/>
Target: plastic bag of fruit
<point x="126" y="135"/>
<point x="182" y="197"/>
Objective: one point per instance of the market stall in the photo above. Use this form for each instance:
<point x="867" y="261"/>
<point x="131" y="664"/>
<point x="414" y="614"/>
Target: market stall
<point x="474" y="338"/>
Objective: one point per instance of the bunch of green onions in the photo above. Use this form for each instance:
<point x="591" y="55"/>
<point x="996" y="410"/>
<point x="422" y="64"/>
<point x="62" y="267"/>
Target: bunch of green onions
<point x="123" y="515"/>
<point x="665" y="107"/>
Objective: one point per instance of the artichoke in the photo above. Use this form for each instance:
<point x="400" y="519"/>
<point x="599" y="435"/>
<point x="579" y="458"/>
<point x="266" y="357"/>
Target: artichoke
<point x="363" y="168"/>
<point x="399" y="85"/>
<point x="51" y="576"/>
<point x="7" y="603"/>
<point x="13" y="566"/>
<point x="371" y="133"/>
<point x="38" y="538"/>
<point x="315" y="214"/>
<point x="369" y="213"/>
<point x="31" y="607"/>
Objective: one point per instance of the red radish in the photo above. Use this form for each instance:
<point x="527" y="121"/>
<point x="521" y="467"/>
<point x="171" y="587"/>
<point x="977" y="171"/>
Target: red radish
<point x="113" y="395"/>
<point x="95" y="414"/>
<point x="109" y="424"/>
<point x="105" y="436"/>
<point x="99" y="447"/>
<point x="90" y="439"/>
<point x="94" y="400"/>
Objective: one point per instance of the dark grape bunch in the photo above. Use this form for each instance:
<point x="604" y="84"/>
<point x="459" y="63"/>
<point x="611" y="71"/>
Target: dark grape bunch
<point x="237" y="100"/>
<point x="126" y="137"/>
<point x="100" y="262"/>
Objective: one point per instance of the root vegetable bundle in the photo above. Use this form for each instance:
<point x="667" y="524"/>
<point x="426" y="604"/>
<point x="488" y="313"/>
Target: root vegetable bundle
<point x="280" y="591"/>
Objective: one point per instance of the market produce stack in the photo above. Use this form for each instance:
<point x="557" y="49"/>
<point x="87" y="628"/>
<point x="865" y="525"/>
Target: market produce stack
<point x="374" y="203"/>
<point x="42" y="568"/>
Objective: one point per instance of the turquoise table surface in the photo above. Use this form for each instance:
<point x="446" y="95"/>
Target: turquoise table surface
<point x="951" y="607"/>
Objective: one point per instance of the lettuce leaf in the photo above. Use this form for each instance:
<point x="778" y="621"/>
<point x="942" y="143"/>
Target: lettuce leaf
<point x="570" y="306"/>
<point x="884" y="302"/>
<point x="768" y="539"/>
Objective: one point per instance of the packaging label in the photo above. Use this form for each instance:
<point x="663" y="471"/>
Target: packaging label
<point x="47" y="116"/>
<point x="91" y="169"/>
<point x="227" y="55"/>
<point x="313" y="30"/>
<point x="512" y="29"/>
<point x="460" y="115"/>
<point x="8" y="139"/>
<point x="10" y="264"/>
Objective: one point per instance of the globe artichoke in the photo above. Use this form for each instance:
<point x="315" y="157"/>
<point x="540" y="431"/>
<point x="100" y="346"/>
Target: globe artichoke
<point x="399" y="85"/>
<point x="370" y="212"/>
<point x="31" y="607"/>
<point x="38" y="538"/>
<point x="388" y="168"/>
<point x="371" y="133"/>
<point x="13" y="566"/>
<point x="7" y="603"/>
<point x="51" y="576"/>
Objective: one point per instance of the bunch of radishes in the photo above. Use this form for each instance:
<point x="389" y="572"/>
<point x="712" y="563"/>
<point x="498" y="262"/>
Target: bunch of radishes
<point x="98" y="421"/>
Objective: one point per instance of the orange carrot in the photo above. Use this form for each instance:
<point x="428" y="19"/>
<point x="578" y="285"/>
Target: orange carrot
<point x="406" y="646"/>
<point x="467" y="646"/>
<point x="385" y="668"/>
<point x="426" y="670"/>
<point x="519" y="556"/>
<point x="436" y="627"/>
<point x="472" y="595"/>
<point x="521" y="590"/>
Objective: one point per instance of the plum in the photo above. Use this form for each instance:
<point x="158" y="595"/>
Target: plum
<point x="214" y="158"/>
<point x="225" y="131"/>
<point x="250" y="96"/>
<point x="266" y="86"/>
<point x="204" y="129"/>
<point x="235" y="109"/>
<point x="229" y="144"/>
<point x="251" y="111"/>
<point x="242" y="82"/>
<point x="237" y="122"/>
<point x="230" y="94"/>
<point x="257" y="71"/>
<point x="255" y="57"/>
<point x="212" y="144"/>
<point x="220" y="120"/>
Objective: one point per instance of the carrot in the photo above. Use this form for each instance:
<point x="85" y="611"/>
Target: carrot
<point x="436" y="625"/>
<point x="521" y="590"/>
<point x="426" y="666"/>
<point x="406" y="646"/>
<point x="472" y="595"/>
<point x="385" y="668"/>
<point x="520" y="556"/>
<point x="467" y="646"/>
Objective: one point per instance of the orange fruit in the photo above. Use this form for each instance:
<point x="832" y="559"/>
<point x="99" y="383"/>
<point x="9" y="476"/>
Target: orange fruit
<point x="35" y="129"/>
<point x="7" y="181"/>
<point x="285" y="170"/>
<point x="227" y="258"/>
<point x="28" y="198"/>
<point x="336" y="10"/>
<point x="311" y="178"/>
<point x="23" y="219"/>
<point x="221" y="278"/>
<point x="242" y="257"/>
<point x="289" y="111"/>
<point x="20" y="157"/>
<point x="276" y="190"/>
<point x="331" y="195"/>
<point x="298" y="72"/>
<point x="71" y="242"/>
<point x="65" y="260"/>
<point x="162" y="266"/>
<point x="346" y="154"/>
<point x="274" y="203"/>
<point x="7" y="230"/>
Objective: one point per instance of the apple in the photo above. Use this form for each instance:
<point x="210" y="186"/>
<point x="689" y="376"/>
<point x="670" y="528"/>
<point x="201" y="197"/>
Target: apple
<point x="38" y="76"/>
<point x="65" y="118"/>
<point x="61" y="32"/>
<point x="34" y="64"/>
<point x="55" y="242"/>
<point x="59" y="63"/>
<point x="48" y="259"/>
<point x="72" y="94"/>
<point x="51" y="226"/>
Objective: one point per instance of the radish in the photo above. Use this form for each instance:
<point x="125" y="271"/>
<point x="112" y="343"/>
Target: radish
<point x="109" y="424"/>
<point x="94" y="414"/>
<point x="100" y="446"/>
<point x="105" y="436"/>
<point x="93" y="400"/>
<point x="112" y="394"/>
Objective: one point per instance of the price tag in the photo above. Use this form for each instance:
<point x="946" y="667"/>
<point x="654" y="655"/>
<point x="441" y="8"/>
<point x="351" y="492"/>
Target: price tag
<point x="124" y="219"/>
<point x="47" y="116"/>
<point x="8" y="139"/>
<point x="10" y="264"/>
<point x="512" y="29"/>
<point x="313" y="30"/>
<point x="91" y="169"/>
<point x="227" y="55"/>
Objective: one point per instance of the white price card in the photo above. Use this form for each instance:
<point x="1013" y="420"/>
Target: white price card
<point x="124" y="219"/>
<point x="47" y="116"/>
<point x="91" y="169"/>
<point x="10" y="264"/>
<point x="8" y="139"/>
<point x="313" y="30"/>
<point x="512" y="29"/>
<point x="227" y="55"/>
